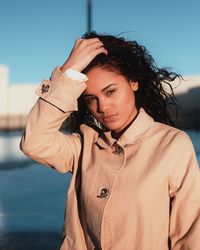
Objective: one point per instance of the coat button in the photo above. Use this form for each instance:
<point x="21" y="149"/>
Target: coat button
<point x="117" y="149"/>
<point x="103" y="193"/>
<point x="45" y="88"/>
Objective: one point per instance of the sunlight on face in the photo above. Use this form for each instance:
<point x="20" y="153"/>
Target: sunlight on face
<point x="110" y="98"/>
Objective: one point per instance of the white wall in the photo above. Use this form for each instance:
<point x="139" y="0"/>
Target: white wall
<point x="4" y="80"/>
<point x="186" y="84"/>
<point x="16" y="99"/>
<point x="21" y="98"/>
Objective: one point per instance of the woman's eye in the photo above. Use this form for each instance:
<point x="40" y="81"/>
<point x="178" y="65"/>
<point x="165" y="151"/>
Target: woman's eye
<point x="110" y="92"/>
<point x="90" y="100"/>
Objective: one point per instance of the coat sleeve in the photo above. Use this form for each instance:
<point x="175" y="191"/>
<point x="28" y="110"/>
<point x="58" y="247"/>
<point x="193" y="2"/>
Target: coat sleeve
<point x="42" y="141"/>
<point x="184" y="228"/>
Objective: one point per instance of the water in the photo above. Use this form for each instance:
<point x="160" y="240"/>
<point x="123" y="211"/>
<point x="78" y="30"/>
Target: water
<point x="32" y="198"/>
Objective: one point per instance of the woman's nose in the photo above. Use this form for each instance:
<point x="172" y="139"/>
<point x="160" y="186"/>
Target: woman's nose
<point x="102" y="106"/>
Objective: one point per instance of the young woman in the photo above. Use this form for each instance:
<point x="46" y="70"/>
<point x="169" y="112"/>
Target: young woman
<point x="135" y="179"/>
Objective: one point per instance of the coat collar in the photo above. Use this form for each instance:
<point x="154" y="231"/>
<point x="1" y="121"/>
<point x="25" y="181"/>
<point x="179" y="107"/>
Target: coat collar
<point x="132" y="135"/>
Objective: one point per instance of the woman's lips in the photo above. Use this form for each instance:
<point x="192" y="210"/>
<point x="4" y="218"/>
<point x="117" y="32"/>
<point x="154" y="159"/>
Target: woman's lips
<point x="110" y="118"/>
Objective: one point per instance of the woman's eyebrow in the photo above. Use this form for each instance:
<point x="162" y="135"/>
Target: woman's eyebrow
<point x="104" y="89"/>
<point x="112" y="84"/>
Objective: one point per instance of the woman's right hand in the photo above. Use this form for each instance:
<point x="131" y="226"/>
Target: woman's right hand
<point x="83" y="52"/>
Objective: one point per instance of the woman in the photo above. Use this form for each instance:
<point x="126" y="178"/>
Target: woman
<point x="135" y="179"/>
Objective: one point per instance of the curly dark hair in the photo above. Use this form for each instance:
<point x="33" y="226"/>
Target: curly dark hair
<point x="135" y="63"/>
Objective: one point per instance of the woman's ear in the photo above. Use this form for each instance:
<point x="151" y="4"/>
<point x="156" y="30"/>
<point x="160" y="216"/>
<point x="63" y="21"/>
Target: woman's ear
<point x="134" y="85"/>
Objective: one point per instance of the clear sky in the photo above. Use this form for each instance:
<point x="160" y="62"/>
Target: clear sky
<point x="37" y="35"/>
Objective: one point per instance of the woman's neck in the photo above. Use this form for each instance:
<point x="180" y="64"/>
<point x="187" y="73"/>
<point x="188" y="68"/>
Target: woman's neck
<point x="117" y="135"/>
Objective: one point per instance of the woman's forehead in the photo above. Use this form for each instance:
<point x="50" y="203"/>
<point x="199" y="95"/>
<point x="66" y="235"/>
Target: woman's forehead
<point x="100" y="79"/>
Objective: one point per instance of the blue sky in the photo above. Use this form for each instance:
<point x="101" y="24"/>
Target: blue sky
<point x="38" y="35"/>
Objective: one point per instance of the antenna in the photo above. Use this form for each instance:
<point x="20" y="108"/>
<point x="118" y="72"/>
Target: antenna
<point x="89" y="16"/>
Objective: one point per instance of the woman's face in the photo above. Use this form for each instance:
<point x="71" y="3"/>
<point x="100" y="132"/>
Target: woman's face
<point x="110" y="98"/>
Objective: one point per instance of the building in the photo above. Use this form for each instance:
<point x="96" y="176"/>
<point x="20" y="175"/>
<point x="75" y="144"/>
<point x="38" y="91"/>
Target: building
<point x="16" y="101"/>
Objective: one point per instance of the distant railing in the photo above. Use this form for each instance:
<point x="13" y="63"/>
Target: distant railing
<point x="12" y="122"/>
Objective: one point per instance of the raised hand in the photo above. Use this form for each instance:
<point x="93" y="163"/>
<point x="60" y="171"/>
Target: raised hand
<point x="83" y="52"/>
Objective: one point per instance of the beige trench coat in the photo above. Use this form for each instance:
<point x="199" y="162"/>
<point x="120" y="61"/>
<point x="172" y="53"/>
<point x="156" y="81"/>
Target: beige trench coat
<point x="137" y="193"/>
